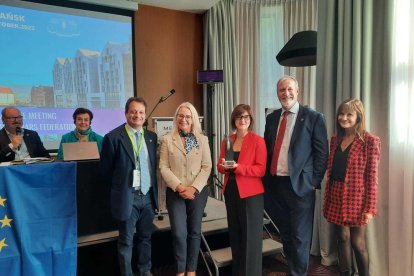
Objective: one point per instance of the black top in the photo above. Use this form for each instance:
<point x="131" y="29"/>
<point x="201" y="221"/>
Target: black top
<point x="339" y="163"/>
<point x="232" y="176"/>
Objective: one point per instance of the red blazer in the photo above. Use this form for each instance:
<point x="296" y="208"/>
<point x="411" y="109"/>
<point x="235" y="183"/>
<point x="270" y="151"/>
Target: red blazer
<point x="251" y="165"/>
<point x="360" y="193"/>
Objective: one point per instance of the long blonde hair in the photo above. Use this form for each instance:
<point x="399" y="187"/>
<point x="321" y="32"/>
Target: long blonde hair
<point x="351" y="105"/>
<point x="195" y="126"/>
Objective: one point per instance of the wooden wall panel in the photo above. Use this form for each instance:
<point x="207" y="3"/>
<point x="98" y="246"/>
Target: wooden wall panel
<point x="169" y="51"/>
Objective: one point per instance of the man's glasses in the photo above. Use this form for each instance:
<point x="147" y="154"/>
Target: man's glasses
<point x="181" y="116"/>
<point x="244" y="117"/>
<point x="17" y="118"/>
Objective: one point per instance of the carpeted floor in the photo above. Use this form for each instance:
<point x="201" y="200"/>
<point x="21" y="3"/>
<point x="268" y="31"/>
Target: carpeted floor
<point x="101" y="259"/>
<point x="272" y="266"/>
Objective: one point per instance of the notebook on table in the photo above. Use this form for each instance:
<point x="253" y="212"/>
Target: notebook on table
<point x="80" y="151"/>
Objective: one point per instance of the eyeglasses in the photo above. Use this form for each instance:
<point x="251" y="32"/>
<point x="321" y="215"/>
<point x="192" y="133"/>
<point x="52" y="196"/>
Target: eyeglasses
<point x="181" y="116"/>
<point x="17" y="118"/>
<point x="243" y="117"/>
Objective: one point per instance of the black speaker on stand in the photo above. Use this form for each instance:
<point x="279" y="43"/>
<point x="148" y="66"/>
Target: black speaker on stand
<point x="210" y="78"/>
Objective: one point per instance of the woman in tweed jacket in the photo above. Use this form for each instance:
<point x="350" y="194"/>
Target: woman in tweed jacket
<point x="352" y="178"/>
<point x="185" y="165"/>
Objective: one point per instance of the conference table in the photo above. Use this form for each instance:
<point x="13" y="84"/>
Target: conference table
<point x="94" y="220"/>
<point x="96" y="232"/>
<point x="95" y="223"/>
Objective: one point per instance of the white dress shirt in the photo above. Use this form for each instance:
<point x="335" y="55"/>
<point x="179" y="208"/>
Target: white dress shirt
<point x="283" y="164"/>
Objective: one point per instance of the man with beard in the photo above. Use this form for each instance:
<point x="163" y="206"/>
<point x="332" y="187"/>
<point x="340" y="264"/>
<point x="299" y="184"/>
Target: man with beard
<point x="297" y="147"/>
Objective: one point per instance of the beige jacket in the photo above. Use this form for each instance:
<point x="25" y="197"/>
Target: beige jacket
<point x="178" y="168"/>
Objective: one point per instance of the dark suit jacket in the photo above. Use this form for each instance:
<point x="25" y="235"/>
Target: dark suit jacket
<point x="31" y="139"/>
<point x="308" y="150"/>
<point x="117" y="165"/>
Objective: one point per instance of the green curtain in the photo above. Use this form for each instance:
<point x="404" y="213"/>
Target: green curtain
<point x="354" y="61"/>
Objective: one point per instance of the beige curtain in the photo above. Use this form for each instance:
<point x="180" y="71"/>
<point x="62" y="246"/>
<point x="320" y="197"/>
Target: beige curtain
<point x="302" y="15"/>
<point x="234" y="36"/>
<point x="247" y="33"/>
<point x="220" y="53"/>
<point x="353" y="61"/>
<point x="401" y="143"/>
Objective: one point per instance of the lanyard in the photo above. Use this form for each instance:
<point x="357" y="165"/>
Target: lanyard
<point x="134" y="145"/>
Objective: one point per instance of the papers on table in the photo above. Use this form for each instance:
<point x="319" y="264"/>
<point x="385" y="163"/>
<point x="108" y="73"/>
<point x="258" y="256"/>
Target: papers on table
<point x="29" y="160"/>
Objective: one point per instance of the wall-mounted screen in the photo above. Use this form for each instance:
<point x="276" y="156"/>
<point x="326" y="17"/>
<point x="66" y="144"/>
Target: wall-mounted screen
<point x="55" y="59"/>
<point x="209" y="76"/>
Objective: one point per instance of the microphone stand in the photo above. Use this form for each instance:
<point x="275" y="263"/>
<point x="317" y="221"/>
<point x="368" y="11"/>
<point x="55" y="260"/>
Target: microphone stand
<point x="160" y="216"/>
<point x="219" y="183"/>
<point x="146" y="120"/>
<point x="162" y="99"/>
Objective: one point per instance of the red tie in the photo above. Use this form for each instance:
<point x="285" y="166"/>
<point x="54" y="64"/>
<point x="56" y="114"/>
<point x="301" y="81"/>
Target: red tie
<point x="278" y="145"/>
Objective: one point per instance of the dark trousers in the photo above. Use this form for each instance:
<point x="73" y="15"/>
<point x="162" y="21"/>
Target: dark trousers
<point x="293" y="216"/>
<point x="140" y="222"/>
<point x="245" y="221"/>
<point x="185" y="219"/>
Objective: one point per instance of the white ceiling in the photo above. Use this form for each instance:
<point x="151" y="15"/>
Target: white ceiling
<point x="193" y="6"/>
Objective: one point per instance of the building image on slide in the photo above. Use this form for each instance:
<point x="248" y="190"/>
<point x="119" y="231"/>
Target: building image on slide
<point x="7" y="96"/>
<point x="93" y="79"/>
<point x="59" y="58"/>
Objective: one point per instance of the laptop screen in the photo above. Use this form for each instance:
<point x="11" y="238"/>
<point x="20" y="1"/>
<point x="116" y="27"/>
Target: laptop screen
<point x="80" y="151"/>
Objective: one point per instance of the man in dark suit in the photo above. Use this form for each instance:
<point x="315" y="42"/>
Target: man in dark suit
<point x="24" y="143"/>
<point x="297" y="146"/>
<point x="128" y="163"/>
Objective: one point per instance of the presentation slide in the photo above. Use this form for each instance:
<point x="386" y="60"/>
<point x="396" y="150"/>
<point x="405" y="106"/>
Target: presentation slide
<point x="55" y="59"/>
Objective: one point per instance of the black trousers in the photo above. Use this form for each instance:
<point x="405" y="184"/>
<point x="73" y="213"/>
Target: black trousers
<point x="245" y="221"/>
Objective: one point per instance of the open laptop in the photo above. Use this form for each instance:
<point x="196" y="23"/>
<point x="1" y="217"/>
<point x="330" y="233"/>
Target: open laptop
<point x="80" y="151"/>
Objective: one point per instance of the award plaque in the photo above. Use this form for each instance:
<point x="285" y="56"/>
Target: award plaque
<point x="229" y="153"/>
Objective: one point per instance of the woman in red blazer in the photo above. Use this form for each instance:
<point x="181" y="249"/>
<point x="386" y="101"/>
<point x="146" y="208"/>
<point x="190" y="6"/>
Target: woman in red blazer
<point x="243" y="190"/>
<point x="351" y="191"/>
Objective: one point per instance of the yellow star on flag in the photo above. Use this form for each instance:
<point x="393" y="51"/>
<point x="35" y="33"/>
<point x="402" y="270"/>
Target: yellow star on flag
<point x="5" y="221"/>
<point x="3" y="244"/>
<point x="2" y="200"/>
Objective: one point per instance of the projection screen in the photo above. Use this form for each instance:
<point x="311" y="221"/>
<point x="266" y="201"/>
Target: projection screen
<point x="55" y="59"/>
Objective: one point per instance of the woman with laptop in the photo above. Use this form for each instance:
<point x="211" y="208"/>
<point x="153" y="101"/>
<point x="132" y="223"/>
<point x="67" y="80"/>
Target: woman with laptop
<point x="82" y="118"/>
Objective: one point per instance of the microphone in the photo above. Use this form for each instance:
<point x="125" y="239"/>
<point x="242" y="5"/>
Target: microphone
<point x="163" y="99"/>
<point x="19" y="133"/>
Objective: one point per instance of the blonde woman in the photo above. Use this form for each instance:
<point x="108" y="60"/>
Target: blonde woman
<point x="185" y="165"/>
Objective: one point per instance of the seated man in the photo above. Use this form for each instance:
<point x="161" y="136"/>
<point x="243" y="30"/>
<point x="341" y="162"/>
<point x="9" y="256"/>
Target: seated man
<point x="23" y="143"/>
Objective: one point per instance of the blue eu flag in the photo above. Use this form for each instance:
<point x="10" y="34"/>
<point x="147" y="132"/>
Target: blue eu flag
<point x="38" y="219"/>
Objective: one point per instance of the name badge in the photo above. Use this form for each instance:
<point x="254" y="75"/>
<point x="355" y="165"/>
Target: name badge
<point x="136" y="183"/>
